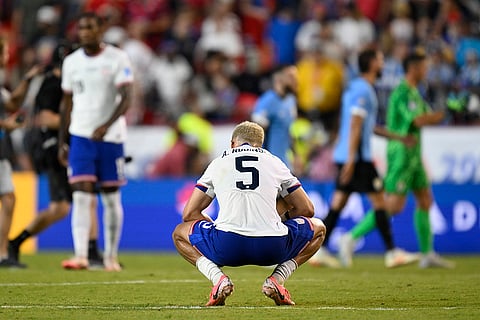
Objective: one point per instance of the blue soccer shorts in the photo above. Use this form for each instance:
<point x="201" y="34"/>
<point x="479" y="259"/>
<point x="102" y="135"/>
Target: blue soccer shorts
<point x="232" y="249"/>
<point x="96" y="161"/>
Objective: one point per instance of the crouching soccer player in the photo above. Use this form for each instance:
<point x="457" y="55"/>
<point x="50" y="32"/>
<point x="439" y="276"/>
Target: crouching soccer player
<point x="246" y="180"/>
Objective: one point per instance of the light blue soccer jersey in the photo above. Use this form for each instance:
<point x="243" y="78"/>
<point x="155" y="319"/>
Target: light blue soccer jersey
<point x="276" y="113"/>
<point x="359" y="99"/>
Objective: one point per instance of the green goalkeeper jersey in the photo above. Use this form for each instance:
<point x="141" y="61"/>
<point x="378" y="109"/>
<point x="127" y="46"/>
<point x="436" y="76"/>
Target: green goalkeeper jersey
<point x="404" y="105"/>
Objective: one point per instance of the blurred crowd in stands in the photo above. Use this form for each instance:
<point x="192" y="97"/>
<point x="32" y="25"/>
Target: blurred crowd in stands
<point x="213" y="58"/>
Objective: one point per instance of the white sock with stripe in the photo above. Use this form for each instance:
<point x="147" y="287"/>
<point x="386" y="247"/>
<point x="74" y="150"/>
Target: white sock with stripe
<point x="284" y="270"/>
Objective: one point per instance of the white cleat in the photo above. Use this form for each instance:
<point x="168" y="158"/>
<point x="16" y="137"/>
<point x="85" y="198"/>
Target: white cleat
<point x="398" y="257"/>
<point x="111" y="265"/>
<point x="323" y="258"/>
<point x="346" y="246"/>
<point x="433" y="260"/>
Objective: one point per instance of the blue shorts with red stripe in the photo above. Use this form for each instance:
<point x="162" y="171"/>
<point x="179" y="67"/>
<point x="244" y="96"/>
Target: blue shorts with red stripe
<point x="232" y="249"/>
<point x="94" y="161"/>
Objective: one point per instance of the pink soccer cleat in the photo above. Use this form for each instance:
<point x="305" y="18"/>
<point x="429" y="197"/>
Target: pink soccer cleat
<point x="75" y="264"/>
<point x="275" y="291"/>
<point x="220" y="292"/>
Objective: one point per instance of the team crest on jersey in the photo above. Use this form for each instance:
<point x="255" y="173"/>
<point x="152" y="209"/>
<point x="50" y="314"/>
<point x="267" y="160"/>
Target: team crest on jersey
<point x="401" y="185"/>
<point x="127" y="71"/>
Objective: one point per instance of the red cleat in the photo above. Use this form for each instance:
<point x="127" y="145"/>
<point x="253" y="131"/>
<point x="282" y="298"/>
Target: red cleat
<point x="275" y="291"/>
<point x="220" y="292"/>
<point x="74" y="264"/>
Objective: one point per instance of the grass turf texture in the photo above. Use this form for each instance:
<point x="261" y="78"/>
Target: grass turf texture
<point x="164" y="286"/>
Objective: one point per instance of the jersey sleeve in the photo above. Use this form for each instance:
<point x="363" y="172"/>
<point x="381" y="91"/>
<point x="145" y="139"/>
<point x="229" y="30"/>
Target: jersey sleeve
<point x="66" y="76"/>
<point x="124" y="72"/>
<point x="205" y="183"/>
<point x="360" y="106"/>
<point x="289" y="182"/>
<point x="261" y="111"/>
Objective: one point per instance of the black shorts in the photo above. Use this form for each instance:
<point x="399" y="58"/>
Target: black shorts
<point x="58" y="185"/>
<point x="365" y="179"/>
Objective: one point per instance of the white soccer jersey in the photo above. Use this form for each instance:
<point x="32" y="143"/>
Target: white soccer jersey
<point x="246" y="181"/>
<point x="94" y="82"/>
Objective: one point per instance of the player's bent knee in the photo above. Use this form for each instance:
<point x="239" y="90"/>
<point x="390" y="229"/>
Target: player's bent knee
<point x="318" y="227"/>
<point x="181" y="231"/>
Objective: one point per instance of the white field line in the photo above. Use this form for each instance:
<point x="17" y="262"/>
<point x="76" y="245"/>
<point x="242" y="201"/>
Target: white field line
<point x="88" y="283"/>
<point x="173" y="307"/>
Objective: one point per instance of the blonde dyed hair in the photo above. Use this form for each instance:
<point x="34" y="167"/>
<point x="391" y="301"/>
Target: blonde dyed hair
<point x="249" y="132"/>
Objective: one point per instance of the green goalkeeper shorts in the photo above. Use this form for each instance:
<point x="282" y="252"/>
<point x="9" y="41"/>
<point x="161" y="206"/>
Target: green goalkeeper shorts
<point x="404" y="176"/>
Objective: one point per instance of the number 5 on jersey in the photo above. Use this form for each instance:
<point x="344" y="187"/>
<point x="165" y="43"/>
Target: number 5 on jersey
<point x="241" y="167"/>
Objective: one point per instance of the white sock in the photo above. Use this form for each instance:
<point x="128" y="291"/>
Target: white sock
<point x="112" y="222"/>
<point x="209" y="269"/>
<point x="284" y="270"/>
<point x="81" y="222"/>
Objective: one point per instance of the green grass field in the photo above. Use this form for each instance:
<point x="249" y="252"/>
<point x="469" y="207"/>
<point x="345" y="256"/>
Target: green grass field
<point x="164" y="286"/>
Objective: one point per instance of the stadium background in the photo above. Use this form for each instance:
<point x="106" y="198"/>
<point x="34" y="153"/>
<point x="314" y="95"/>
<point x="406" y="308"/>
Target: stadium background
<point x="256" y="36"/>
<point x="153" y="207"/>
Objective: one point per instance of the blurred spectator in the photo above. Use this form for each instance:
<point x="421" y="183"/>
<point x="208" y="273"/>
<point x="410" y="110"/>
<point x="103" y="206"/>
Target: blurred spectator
<point x="181" y="160"/>
<point x="463" y="40"/>
<point x="320" y="83"/>
<point x="392" y="74"/>
<point x="251" y="79"/>
<point x="221" y="32"/>
<point x="470" y="72"/>
<point x="141" y="57"/>
<point x="158" y="14"/>
<point x="377" y="11"/>
<point x="28" y="13"/>
<point x="322" y="167"/>
<point x="213" y="90"/>
<point x="464" y="100"/>
<point x="402" y="27"/>
<point x="353" y="31"/>
<point x="111" y="11"/>
<point x="191" y="145"/>
<point x="48" y="19"/>
<point x="255" y="36"/>
<point x="281" y="32"/>
<point x="184" y="33"/>
<point x="194" y="124"/>
<point x="440" y="76"/>
<point x="255" y="15"/>
<point x="318" y="29"/>
<point x="171" y="73"/>
<point x="306" y="137"/>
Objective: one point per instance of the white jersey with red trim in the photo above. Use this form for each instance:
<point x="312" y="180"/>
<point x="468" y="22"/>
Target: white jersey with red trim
<point x="246" y="181"/>
<point x="94" y="83"/>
